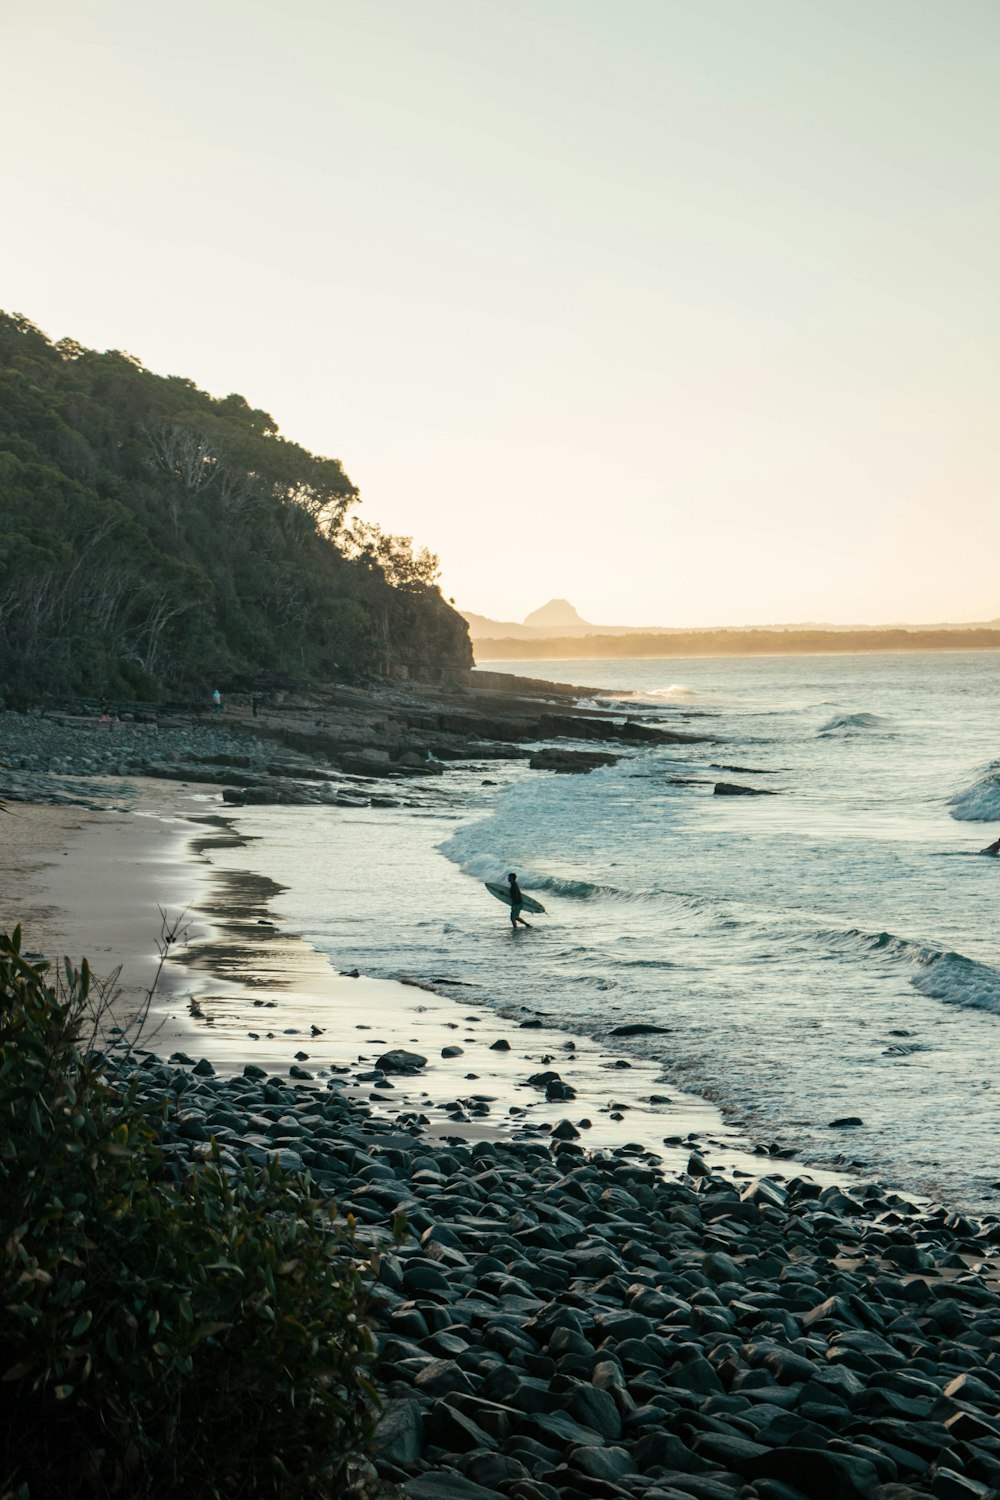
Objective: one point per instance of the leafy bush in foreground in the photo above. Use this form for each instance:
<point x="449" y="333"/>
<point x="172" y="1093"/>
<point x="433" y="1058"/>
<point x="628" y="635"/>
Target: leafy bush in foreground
<point x="156" y="1339"/>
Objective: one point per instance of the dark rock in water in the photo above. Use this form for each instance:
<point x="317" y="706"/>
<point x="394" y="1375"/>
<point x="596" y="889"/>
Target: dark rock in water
<point x="571" y="761"/>
<point x="733" y="789"/>
<point x="849" y="1122"/>
<point x="204" y="1068"/>
<point x="533" y="1025"/>
<point x="181" y="1057"/>
<point x="452" y="1051"/>
<point x="500" y="1046"/>
<point x="637" y="1028"/>
<point x="296" y="1072"/>
<point x="542" y="1080"/>
<point x="401" y="1061"/>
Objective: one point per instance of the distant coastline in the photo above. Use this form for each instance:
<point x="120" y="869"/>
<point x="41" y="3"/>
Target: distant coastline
<point x="735" y="643"/>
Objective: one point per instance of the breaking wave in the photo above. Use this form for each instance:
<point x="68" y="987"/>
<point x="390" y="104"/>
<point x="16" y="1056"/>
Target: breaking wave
<point x="851" y="723"/>
<point x="979" y="803"/>
<point x="938" y="973"/>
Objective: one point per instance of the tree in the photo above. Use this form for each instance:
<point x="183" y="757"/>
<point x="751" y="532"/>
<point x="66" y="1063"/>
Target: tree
<point x="393" y="556"/>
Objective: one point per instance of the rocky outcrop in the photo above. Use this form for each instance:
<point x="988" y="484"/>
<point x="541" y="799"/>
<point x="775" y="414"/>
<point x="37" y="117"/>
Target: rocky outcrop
<point x="733" y="789"/>
<point x="570" y="762"/>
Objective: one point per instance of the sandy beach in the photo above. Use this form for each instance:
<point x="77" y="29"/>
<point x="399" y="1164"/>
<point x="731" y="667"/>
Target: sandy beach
<point x="147" y="898"/>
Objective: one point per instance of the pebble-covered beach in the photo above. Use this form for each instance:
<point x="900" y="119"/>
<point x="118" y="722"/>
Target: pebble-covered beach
<point x="557" y="1325"/>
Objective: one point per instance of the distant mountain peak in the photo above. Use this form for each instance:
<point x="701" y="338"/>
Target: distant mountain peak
<point x="557" y="614"/>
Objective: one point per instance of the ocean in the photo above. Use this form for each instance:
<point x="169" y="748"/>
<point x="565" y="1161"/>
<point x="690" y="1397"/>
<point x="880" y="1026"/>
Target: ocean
<point x="825" y="951"/>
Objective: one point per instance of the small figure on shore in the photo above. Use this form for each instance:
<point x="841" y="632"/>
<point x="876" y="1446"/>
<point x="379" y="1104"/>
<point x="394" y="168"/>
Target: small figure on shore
<point x="993" y="848"/>
<point x="516" y="902"/>
<point x="216" y="702"/>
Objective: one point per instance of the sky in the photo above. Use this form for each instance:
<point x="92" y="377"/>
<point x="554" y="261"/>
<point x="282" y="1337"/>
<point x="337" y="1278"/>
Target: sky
<point x="683" y="310"/>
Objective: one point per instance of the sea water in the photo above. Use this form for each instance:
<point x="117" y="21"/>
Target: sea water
<point x="825" y="950"/>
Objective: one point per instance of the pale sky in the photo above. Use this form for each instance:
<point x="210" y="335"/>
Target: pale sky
<point x="684" y="310"/>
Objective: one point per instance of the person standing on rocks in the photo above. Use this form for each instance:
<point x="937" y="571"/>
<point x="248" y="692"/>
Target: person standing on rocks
<point x="516" y="902"/>
<point x="216" y="702"/>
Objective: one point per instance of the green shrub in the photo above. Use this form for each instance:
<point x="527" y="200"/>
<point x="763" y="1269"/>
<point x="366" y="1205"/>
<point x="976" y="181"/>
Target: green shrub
<point x="157" y="1339"/>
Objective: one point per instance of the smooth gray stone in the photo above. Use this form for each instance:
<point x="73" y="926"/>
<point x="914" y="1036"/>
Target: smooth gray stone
<point x="787" y="1367"/>
<point x="399" y="1436"/>
<point x="971" y="1390"/>
<point x="658" y="1449"/>
<point x="887" y="1403"/>
<point x="398" y="1060"/>
<point x="697" y="1376"/>
<point x="424" y="1276"/>
<point x="492" y="1416"/>
<point x="595" y="1409"/>
<point x="452" y="1430"/>
<point x="816" y="1472"/>
<point x="618" y="1324"/>
<point x="705" y="1487"/>
<point x="443" y="1484"/>
<point x="872" y="1345"/>
<point x="442" y="1376"/>
<point x="948" y="1485"/>
<point x="493" y="1470"/>
<point x="289" y="1161"/>
<point x="926" y="1438"/>
<point x="727" y="1451"/>
<point x="969" y="1426"/>
<point x="556" y="1429"/>
<point x="603" y="1463"/>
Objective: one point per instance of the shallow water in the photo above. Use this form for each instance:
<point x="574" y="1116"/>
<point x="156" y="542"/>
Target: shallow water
<point x="822" y="952"/>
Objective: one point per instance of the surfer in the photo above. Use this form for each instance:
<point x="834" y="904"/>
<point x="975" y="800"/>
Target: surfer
<point x="993" y="848"/>
<point x="516" y="902"/>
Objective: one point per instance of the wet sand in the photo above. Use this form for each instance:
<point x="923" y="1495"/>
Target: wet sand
<point x="124" y="889"/>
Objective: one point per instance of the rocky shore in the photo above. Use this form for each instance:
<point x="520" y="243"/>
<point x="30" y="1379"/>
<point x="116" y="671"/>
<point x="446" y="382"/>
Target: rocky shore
<point x="347" y="746"/>
<point x="557" y="1325"/>
<point x="553" y="1323"/>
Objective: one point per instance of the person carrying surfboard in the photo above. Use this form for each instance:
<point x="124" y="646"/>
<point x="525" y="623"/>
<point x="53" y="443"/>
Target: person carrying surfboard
<point x="516" y="902"/>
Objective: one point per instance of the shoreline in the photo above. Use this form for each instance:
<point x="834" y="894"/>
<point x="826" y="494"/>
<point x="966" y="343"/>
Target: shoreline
<point x="219" y="965"/>
<point x="560" y="1313"/>
<point x="236" y="987"/>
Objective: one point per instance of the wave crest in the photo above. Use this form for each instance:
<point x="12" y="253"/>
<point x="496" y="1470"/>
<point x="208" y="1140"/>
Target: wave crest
<point x="939" y="973"/>
<point x="979" y="803"/>
<point x="850" y="723"/>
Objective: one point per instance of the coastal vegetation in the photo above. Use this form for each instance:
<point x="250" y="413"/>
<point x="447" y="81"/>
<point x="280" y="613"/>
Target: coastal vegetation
<point x="166" y="1328"/>
<point x="157" y="540"/>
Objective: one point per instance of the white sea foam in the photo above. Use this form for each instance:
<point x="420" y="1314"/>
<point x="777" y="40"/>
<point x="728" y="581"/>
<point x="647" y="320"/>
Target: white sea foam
<point x="851" y="723"/>
<point x="808" y="955"/>
<point x="979" y="803"/>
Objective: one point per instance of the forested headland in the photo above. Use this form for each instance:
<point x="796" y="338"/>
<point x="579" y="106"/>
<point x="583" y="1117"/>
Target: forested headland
<point x="156" y="540"/>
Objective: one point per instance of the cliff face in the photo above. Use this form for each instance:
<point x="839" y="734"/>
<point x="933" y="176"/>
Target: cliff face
<point x="416" y="635"/>
<point x="154" y="538"/>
